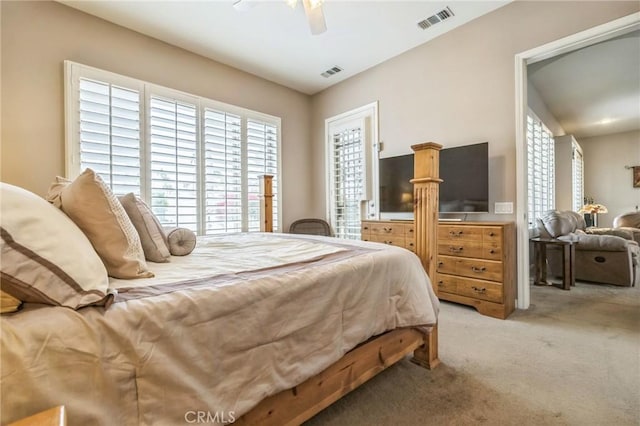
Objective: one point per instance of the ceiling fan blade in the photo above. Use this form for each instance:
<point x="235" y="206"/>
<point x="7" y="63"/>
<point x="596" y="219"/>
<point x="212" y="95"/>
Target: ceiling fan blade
<point x="315" y="17"/>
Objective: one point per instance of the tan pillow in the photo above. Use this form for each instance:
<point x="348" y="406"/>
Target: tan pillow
<point x="46" y="258"/>
<point x="154" y="242"/>
<point x="8" y="303"/>
<point x="182" y="241"/>
<point x="91" y="204"/>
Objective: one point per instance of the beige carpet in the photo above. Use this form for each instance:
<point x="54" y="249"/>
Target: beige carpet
<point x="573" y="358"/>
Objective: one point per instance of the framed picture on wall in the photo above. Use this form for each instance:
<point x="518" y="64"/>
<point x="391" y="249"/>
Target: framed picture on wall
<point x="636" y="177"/>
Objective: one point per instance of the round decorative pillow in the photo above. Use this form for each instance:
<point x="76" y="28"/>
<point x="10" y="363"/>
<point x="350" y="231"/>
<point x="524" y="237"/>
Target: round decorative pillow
<point x="182" y="241"/>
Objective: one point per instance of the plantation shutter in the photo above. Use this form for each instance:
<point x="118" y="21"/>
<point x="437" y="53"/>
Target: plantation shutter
<point x="262" y="158"/>
<point x="194" y="160"/>
<point x="223" y="172"/>
<point x="173" y="162"/>
<point x="540" y="169"/>
<point x="578" y="178"/>
<point x="349" y="181"/>
<point x="109" y="124"/>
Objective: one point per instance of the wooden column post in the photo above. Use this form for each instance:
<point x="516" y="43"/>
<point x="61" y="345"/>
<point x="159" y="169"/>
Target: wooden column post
<point x="266" y="203"/>
<point x="426" y="182"/>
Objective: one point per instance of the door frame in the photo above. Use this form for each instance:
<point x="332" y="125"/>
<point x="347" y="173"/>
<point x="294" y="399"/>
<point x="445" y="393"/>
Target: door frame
<point x="369" y="111"/>
<point x="570" y="43"/>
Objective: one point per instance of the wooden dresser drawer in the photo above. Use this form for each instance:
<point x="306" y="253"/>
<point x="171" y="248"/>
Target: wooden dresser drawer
<point x="365" y="231"/>
<point x="457" y="232"/>
<point x="492" y="234"/>
<point x="472" y="268"/>
<point x="446" y="265"/>
<point x="461" y="248"/>
<point x="446" y="283"/>
<point x="478" y="289"/>
<point x="410" y="243"/>
<point x="491" y="251"/>
<point x="479" y="269"/>
<point x="409" y="230"/>
<point x="387" y="239"/>
<point x="388" y="229"/>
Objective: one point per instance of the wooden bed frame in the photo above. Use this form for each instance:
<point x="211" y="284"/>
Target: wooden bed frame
<point x="294" y="406"/>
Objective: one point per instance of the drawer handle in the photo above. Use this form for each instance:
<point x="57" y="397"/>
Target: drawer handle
<point x="440" y="263"/>
<point x="410" y="244"/>
<point x="492" y="251"/>
<point x="479" y="290"/>
<point x="455" y="249"/>
<point x="410" y="230"/>
<point x="455" y="233"/>
<point x="389" y="242"/>
<point x="491" y="234"/>
<point x="440" y="283"/>
<point x="478" y="270"/>
<point x="385" y="229"/>
<point x="366" y="228"/>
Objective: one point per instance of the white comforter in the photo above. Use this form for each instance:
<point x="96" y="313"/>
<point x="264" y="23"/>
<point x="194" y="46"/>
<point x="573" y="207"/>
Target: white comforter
<point x="243" y="317"/>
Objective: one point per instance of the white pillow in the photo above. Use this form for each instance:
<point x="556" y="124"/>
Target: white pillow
<point x="46" y="258"/>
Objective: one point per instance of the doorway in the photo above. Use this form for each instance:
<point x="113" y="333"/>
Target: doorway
<point x="576" y="41"/>
<point x="351" y="144"/>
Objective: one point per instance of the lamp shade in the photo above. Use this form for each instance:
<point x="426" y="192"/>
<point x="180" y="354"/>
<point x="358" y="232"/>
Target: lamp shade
<point x="593" y="208"/>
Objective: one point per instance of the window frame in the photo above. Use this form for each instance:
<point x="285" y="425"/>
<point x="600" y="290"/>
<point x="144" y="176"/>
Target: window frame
<point x="74" y="71"/>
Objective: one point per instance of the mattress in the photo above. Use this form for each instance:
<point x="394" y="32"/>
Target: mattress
<point x="241" y="318"/>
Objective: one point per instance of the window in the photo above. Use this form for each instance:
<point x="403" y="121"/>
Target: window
<point x="196" y="162"/>
<point x="578" y="177"/>
<point x="351" y="165"/>
<point x="540" y="168"/>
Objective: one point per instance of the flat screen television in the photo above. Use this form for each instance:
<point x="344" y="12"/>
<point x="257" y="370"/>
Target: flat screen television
<point x="464" y="171"/>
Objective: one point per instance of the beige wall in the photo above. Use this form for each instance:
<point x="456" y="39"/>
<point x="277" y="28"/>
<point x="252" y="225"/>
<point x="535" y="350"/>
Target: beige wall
<point x="458" y="88"/>
<point x="606" y="179"/>
<point x="38" y="36"/>
<point x="537" y="105"/>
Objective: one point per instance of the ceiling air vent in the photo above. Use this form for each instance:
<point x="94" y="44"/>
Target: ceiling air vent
<point x="331" y="71"/>
<point x="445" y="13"/>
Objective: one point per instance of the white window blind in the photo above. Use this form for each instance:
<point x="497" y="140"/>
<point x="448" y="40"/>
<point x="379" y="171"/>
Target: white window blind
<point x="578" y="177"/>
<point x="348" y="181"/>
<point x="223" y="171"/>
<point x="540" y="168"/>
<point x="194" y="160"/>
<point x="173" y="162"/>
<point x="262" y="155"/>
<point x="109" y="133"/>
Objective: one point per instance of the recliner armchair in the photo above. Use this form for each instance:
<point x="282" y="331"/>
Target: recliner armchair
<point x="629" y="222"/>
<point x="609" y="256"/>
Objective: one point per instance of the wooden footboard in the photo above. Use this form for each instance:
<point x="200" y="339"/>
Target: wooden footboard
<point x="296" y="405"/>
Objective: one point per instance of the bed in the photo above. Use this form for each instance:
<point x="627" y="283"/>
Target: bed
<point x="254" y="328"/>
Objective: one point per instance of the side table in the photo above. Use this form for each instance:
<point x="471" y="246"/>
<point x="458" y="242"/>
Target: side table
<point x="568" y="261"/>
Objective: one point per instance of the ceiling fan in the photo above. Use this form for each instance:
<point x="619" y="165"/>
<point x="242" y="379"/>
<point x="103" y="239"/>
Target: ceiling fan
<point x="312" y="8"/>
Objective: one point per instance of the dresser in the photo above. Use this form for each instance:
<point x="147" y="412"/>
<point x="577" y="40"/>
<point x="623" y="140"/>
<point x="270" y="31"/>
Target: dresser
<point x="476" y="266"/>
<point x="398" y="233"/>
<point x="475" y="260"/>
